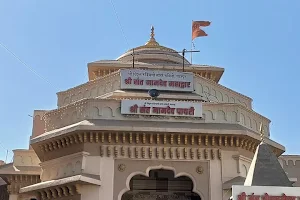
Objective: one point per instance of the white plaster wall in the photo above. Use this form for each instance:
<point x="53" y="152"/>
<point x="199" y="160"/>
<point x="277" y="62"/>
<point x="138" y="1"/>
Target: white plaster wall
<point x="229" y="165"/>
<point x="90" y="192"/>
<point x="244" y="167"/>
<point x="65" y="166"/>
<point x="215" y="179"/>
<point x="218" y="93"/>
<point x="25" y="158"/>
<point x="92" y="165"/>
<point x="13" y="197"/>
<point x="107" y="178"/>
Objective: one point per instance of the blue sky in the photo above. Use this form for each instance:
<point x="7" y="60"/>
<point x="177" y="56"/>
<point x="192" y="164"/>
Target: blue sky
<point x="257" y="42"/>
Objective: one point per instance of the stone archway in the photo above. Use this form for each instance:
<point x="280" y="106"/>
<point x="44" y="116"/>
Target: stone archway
<point x="161" y="184"/>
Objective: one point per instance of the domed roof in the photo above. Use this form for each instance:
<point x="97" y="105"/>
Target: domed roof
<point x="152" y="52"/>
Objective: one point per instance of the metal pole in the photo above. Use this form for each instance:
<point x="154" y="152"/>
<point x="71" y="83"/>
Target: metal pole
<point x="192" y="44"/>
<point x="191" y="52"/>
<point x="183" y="54"/>
<point x="133" y="58"/>
<point x="6" y="156"/>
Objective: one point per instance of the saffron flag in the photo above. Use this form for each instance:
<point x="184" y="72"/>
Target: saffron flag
<point x="196" y="28"/>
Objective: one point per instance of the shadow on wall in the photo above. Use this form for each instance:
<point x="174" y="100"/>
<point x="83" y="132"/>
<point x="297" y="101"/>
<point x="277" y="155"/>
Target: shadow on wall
<point x="3" y="192"/>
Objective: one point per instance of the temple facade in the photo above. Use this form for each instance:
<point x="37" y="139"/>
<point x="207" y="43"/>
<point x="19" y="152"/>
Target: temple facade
<point x="142" y="127"/>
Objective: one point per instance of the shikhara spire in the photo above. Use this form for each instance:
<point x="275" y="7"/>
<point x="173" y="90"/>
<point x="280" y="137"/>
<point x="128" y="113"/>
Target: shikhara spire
<point x="265" y="169"/>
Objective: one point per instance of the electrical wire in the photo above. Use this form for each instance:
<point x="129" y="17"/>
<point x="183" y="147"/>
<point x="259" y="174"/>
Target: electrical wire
<point x="122" y="30"/>
<point x="119" y="22"/>
<point x="27" y="66"/>
<point x="7" y="151"/>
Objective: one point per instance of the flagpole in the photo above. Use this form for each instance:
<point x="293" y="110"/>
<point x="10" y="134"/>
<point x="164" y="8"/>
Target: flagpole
<point x="192" y="43"/>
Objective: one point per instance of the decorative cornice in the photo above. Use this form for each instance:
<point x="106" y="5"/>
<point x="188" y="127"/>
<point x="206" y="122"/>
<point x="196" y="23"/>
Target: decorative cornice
<point x="164" y="153"/>
<point x="59" y="192"/>
<point x="133" y="139"/>
<point x="69" y="186"/>
<point x="15" y="182"/>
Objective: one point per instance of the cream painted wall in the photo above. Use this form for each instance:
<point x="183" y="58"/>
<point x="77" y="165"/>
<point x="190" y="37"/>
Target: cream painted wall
<point x="65" y="166"/>
<point x="91" y="192"/>
<point x="107" y="178"/>
<point x="215" y="179"/>
<point x="92" y="165"/>
<point x="13" y="197"/>
<point x="25" y="158"/>
<point x="291" y="165"/>
<point x="229" y="165"/>
<point x="234" y="165"/>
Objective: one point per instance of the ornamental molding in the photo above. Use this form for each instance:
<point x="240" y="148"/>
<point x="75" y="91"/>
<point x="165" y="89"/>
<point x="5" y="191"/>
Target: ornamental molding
<point x="161" y="140"/>
<point x="161" y="153"/>
<point x="111" y="82"/>
<point x="109" y="109"/>
<point x="69" y="190"/>
<point x="15" y="182"/>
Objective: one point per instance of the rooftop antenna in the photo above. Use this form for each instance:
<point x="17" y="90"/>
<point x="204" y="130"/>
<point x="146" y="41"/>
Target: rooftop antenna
<point x="132" y="58"/>
<point x="6" y="156"/>
<point x="183" y="56"/>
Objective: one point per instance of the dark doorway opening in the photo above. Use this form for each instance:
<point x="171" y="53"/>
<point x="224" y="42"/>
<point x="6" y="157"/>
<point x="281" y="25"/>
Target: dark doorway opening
<point x="160" y="185"/>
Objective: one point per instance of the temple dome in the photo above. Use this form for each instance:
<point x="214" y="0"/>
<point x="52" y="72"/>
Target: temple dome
<point x="152" y="52"/>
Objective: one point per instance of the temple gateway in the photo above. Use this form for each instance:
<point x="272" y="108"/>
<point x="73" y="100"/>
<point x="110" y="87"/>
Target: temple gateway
<point x="142" y="128"/>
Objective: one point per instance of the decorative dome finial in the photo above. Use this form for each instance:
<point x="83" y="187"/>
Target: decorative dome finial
<point x="152" y="42"/>
<point x="152" y="33"/>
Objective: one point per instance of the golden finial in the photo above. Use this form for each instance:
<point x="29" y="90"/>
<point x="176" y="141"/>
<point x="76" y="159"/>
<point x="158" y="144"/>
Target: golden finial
<point x="152" y="42"/>
<point x="262" y="133"/>
<point x="152" y="32"/>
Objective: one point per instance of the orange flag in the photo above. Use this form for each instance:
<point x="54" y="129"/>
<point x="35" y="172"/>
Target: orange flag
<point x="196" y="28"/>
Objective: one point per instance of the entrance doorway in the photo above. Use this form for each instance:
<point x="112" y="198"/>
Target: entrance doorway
<point x="160" y="185"/>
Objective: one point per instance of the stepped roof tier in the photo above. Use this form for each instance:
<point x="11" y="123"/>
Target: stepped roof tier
<point x="152" y="52"/>
<point x="90" y="106"/>
<point x="152" y="55"/>
<point x="127" y="126"/>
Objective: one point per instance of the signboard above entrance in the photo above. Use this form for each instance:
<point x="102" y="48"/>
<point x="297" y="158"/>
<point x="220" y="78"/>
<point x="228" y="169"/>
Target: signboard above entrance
<point x="155" y="79"/>
<point x="240" y="192"/>
<point x="167" y="108"/>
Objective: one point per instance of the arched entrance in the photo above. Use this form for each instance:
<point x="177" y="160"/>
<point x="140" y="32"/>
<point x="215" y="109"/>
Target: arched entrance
<point x="160" y="185"/>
